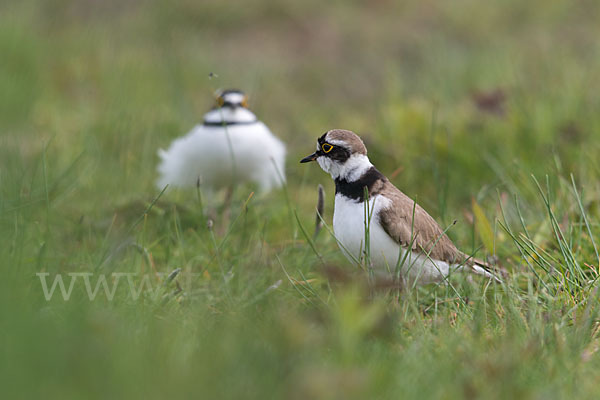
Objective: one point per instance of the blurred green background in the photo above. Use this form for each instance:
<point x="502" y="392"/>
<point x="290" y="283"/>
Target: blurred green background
<point x="459" y="101"/>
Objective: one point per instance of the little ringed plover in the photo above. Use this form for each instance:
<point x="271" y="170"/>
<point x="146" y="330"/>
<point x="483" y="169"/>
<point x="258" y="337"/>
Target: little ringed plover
<point x="231" y="146"/>
<point x="418" y="247"/>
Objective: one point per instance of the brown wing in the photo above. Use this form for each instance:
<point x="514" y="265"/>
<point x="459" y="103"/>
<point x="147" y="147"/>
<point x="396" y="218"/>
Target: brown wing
<point x="425" y="234"/>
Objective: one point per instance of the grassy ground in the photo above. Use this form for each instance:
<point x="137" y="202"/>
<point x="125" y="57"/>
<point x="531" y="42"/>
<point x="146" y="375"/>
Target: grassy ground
<point x="487" y="115"/>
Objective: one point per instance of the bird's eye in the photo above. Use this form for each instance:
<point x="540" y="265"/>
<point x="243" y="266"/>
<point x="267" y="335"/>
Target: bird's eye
<point x="245" y="102"/>
<point x="326" y="147"/>
<point x="220" y="101"/>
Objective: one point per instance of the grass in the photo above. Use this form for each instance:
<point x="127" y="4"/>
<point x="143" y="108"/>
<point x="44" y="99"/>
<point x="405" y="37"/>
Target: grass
<point x="90" y="90"/>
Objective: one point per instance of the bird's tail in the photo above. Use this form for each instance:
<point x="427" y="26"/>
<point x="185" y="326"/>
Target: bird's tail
<point x="481" y="268"/>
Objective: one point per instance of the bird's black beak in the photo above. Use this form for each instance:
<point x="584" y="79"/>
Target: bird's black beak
<point x="310" y="158"/>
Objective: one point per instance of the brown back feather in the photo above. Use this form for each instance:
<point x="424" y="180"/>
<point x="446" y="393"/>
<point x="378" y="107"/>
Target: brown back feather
<point x="425" y="234"/>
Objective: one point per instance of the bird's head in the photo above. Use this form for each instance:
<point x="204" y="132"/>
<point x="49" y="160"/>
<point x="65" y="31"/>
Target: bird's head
<point x="342" y="154"/>
<point x="231" y="98"/>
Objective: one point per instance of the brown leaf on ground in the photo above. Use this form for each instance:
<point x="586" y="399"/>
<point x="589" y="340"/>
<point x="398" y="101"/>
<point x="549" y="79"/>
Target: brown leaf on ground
<point x="491" y="101"/>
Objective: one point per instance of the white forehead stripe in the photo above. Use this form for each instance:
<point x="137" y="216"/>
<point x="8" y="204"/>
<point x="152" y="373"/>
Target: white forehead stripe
<point x="340" y="143"/>
<point x="336" y="142"/>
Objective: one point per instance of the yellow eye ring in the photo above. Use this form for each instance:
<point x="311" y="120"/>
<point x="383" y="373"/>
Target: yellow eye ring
<point x="326" y="147"/>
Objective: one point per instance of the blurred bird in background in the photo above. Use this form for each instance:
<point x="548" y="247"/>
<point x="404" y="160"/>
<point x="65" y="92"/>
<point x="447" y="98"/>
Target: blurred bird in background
<point x="229" y="148"/>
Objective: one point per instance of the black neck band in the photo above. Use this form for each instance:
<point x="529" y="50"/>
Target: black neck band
<point x="356" y="189"/>
<point x="228" y="123"/>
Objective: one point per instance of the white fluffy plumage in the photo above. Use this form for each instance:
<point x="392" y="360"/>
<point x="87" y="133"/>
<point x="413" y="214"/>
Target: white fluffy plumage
<point x="230" y="147"/>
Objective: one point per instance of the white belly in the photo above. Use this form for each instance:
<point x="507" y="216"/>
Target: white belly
<point x="221" y="157"/>
<point x="385" y="254"/>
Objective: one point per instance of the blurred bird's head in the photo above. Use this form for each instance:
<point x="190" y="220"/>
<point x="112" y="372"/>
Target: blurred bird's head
<point x="231" y="98"/>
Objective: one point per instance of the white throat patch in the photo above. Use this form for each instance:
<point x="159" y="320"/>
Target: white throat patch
<point x="351" y="170"/>
<point x="229" y="115"/>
